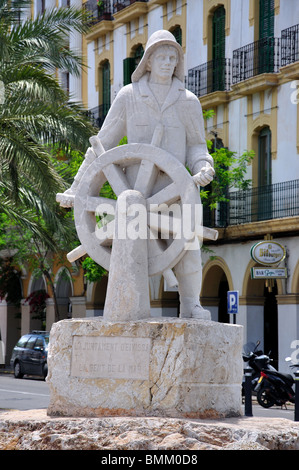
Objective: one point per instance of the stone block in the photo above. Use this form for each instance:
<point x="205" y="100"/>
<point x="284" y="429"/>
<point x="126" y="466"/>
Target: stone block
<point x="180" y="368"/>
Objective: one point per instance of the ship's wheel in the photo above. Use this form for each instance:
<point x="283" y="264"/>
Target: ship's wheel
<point x="165" y="184"/>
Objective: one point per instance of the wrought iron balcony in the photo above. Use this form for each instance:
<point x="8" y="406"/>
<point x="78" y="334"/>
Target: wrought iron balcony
<point x="290" y="45"/>
<point x="99" y="9"/>
<point x="121" y="4"/>
<point x="269" y="202"/>
<point x="214" y="75"/>
<point x="98" y="114"/>
<point x="262" y="56"/>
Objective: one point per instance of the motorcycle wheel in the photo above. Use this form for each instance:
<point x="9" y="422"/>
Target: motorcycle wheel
<point x="264" y="399"/>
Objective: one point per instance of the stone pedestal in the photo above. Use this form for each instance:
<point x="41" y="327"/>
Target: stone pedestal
<point x="157" y="367"/>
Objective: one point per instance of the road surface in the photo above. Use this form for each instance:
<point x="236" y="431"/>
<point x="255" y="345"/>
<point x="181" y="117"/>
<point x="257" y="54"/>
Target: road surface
<point x="23" y="394"/>
<point x="33" y="393"/>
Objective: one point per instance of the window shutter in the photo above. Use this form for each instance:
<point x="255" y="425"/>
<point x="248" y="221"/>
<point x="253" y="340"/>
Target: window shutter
<point x="128" y="69"/>
<point x="106" y="99"/>
<point x="177" y="32"/>
<point x="266" y="26"/>
<point x="266" y="33"/>
<point x="217" y="81"/>
<point x="219" y="33"/>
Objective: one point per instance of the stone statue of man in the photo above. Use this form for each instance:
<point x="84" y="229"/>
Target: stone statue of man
<point x="157" y="97"/>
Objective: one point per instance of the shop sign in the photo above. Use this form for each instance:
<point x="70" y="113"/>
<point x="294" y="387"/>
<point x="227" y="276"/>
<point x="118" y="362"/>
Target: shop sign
<point x="269" y="273"/>
<point x="268" y="253"/>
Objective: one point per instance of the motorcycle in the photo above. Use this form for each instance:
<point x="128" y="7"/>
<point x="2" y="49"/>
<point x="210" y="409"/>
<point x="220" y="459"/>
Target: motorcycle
<point x="275" y="388"/>
<point x="258" y="361"/>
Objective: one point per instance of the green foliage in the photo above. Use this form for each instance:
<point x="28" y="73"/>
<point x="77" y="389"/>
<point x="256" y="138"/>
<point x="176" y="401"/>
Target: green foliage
<point x="36" y="113"/>
<point x="230" y="172"/>
<point x="39" y="126"/>
<point x="93" y="272"/>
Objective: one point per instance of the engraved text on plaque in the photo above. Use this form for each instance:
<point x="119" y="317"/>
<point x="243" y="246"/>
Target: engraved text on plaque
<point x="110" y="357"/>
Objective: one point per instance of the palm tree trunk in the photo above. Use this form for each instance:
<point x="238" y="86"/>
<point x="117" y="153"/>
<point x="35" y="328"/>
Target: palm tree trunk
<point x="53" y="292"/>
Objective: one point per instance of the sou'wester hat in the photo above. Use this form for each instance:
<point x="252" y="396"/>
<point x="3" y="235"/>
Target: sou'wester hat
<point x="160" y="38"/>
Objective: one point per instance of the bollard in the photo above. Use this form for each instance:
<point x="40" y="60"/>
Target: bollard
<point x="296" y="414"/>
<point x="248" y="391"/>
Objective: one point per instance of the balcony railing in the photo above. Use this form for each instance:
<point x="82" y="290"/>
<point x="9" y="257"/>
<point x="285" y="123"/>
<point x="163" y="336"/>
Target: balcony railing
<point x="121" y="4"/>
<point x="262" y="56"/>
<point x="214" y="75"/>
<point x="290" y="45"/>
<point x="273" y="201"/>
<point x="98" y="114"/>
<point x="100" y="10"/>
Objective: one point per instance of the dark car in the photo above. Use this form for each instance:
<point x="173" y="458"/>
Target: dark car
<point x="29" y="355"/>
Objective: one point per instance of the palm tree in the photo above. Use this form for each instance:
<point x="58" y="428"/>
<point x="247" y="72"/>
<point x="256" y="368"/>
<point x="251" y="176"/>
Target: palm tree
<point x="36" y="117"/>
<point x="35" y="112"/>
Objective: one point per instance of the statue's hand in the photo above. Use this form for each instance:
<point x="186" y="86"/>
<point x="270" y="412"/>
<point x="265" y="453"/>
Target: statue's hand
<point x="204" y="176"/>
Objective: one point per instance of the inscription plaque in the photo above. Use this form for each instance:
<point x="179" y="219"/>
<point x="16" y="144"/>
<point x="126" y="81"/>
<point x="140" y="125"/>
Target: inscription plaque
<point x="110" y="357"/>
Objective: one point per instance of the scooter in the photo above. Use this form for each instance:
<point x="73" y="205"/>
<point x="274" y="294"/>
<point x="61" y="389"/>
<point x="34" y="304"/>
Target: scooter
<point x="275" y="388"/>
<point x="258" y="361"/>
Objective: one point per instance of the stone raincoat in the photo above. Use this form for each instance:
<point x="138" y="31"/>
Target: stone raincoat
<point x="135" y="113"/>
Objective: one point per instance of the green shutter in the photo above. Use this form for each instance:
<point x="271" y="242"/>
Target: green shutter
<point x="266" y="26"/>
<point x="218" y="79"/>
<point x="106" y="99"/>
<point x="219" y="33"/>
<point x="177" y="32"/>
<point x="264" y="175"/>
<point x="128" y="67"/>
<point x="266" y="32"/>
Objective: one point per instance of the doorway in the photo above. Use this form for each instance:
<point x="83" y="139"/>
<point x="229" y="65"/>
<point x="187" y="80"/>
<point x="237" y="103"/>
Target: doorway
<point x="223" y="316"/>
<point x="271" y="323"/>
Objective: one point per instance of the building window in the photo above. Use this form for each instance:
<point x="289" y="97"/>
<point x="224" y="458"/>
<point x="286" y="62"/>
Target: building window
<point x="219" y="33"/>
<point x="266" y="36"/>
<point x="266" y="23"/>
<point x="265" y="196"/>
<point x="264" y="156"/>
<point x="177" y="32"/>
<point x="65" y="82"/>
<point x="218" y="45"/>
<point x="41" y="7"/>
<point x="130" y="63"/>
<point x="106" y="95"/>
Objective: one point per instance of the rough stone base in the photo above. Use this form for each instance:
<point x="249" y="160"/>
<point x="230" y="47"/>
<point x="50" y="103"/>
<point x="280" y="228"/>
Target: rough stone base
<point x="157" y="367"/>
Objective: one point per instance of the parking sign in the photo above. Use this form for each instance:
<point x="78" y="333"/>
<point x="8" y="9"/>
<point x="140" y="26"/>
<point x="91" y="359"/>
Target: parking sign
<point x="233" y="302"/>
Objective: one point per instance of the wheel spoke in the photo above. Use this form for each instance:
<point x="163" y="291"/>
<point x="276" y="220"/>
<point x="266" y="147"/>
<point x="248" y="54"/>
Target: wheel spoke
<point x="164" y="224"/>
<point x="101" y="205"/>
<point x="156" y="247"/>
<point x="105" y="234"/>
<point x="76" y="253"/>
<point x="116" y="178"/>
<point x="167" y="195"/>
<point x="146" y="177"/>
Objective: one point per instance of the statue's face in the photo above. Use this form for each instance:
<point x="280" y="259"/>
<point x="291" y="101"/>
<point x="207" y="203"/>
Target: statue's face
<point x="163" y="62"/>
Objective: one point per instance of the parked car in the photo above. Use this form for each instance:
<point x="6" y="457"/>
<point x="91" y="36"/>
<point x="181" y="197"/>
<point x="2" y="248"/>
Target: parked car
<point x="30" y="354"/>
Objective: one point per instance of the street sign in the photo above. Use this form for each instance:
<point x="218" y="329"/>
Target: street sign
<point x="233" y="302"/>
<point x="269" y="273"/>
